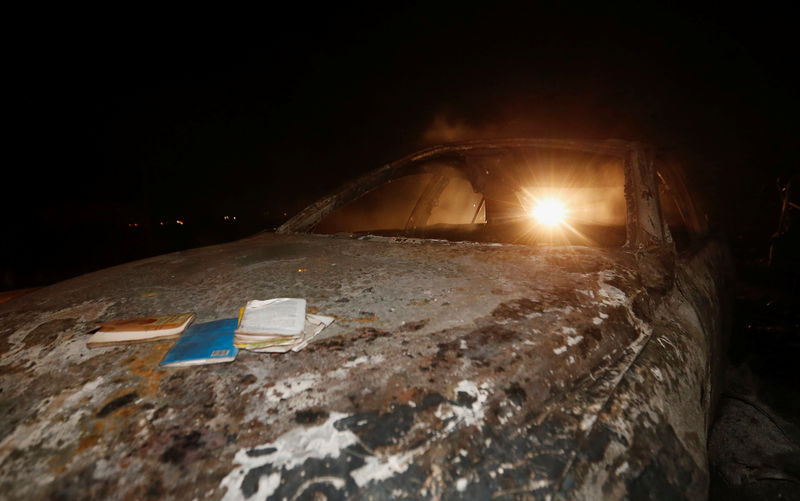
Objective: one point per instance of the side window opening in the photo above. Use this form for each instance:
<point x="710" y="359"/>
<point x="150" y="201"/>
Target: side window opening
<point x="439" y="196"/>
<point x="458" y="204"/>
<point x="386" y="207"/>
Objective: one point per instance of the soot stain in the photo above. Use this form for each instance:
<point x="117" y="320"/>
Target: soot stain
<point x="593" y="333"/>
<point x="465" y="399"/>
<point x="376" y="430"/>
<point x="516" y="309"/>
<point x="516" y="393"/>
<point x="181" y="445"/>
<point x="414" y="326"/>
<point x="342" y="341"/>
<point x="117" y="404"/>
<point x="254" y="453"/>
<point x="310" y="416"/>
<point x="47" y="333"/>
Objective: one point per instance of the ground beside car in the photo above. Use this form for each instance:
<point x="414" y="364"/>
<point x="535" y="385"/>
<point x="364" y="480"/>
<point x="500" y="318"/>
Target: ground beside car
<point x="754" y="445"/>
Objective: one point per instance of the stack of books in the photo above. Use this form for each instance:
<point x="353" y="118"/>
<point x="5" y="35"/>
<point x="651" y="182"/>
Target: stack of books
<point x="278" y="325"/>
<point x="272" y="326"/>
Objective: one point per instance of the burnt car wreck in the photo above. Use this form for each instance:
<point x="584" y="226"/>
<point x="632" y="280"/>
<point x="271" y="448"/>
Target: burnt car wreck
<point x="472" y="357"/>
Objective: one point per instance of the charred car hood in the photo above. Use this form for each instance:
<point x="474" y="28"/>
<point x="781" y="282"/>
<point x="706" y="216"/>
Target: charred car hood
<point x="452" y="369"/>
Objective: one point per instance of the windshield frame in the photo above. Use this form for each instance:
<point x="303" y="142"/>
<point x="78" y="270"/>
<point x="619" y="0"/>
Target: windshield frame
<point x="644" y="226"/>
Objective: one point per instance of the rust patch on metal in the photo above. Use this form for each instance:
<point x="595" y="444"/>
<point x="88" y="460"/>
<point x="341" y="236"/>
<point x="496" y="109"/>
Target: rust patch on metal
<point x="145" y="365"/>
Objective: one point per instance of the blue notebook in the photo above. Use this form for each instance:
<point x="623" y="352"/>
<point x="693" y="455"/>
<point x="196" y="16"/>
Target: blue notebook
<point x="208" y="343"/>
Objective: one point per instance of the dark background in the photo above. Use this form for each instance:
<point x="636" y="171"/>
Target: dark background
<point x="142" y="117"/>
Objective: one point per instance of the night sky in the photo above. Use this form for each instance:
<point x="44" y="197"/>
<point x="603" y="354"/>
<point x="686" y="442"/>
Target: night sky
<point x="138" y="117"/>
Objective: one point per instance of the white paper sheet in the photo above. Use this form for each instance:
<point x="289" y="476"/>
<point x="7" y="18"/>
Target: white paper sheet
<point x="285" y="316"/>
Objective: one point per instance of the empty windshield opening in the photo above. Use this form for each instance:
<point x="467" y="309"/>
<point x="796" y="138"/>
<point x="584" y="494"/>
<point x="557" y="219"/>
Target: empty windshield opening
<point x="508" y="197"/>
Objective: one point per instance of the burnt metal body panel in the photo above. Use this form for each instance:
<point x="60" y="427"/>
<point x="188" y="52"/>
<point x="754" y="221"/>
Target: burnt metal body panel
<point x="452" y="371"/>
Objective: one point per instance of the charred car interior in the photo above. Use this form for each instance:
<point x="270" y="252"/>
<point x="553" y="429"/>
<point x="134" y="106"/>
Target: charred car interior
<point x="510" y="191"/>
<point x="515" y="319"/>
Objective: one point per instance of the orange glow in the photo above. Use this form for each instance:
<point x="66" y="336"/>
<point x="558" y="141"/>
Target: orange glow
<point x="549" y="212"/>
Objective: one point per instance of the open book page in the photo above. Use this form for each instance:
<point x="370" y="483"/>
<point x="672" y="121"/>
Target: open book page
<point x="274" y="316"/>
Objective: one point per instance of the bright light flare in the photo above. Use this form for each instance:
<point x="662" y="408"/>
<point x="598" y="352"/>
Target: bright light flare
<point x="549" y="212"/>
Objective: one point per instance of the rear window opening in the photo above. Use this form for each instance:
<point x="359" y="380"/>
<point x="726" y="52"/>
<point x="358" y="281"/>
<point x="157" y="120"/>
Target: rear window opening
<point x="537" y="198"/>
